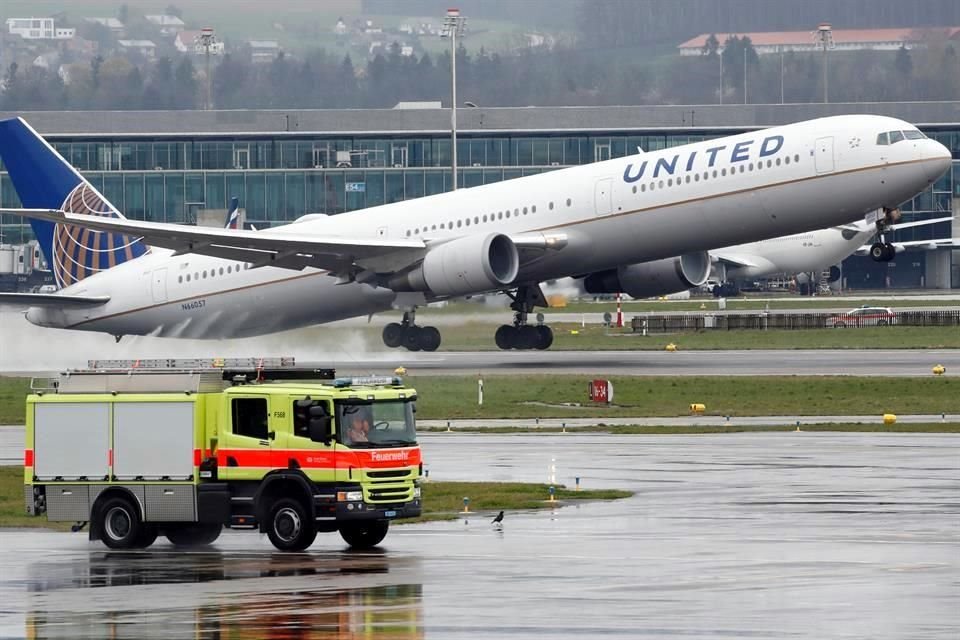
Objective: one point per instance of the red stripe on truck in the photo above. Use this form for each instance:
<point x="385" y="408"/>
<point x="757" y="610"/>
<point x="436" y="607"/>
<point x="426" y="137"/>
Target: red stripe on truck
<point x="196" y="457"/>
<point x="319" y="458"/>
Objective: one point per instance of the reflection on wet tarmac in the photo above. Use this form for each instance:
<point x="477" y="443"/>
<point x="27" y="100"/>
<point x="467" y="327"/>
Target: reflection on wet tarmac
<point x="383" y="611"/>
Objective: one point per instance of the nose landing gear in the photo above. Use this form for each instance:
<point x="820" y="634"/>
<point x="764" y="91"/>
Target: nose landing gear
<point x="884" y="251"/>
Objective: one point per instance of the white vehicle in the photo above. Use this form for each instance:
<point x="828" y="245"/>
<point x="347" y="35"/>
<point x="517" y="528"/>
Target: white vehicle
<point x="863" y="317"/>
<point x="641" y="225"/>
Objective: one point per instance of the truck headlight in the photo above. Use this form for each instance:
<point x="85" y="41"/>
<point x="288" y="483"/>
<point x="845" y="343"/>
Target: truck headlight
<point x="349" y="496"/>
<point x="416" y="492"/>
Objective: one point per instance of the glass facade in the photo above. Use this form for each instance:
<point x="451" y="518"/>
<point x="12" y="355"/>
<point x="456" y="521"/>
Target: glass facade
<point x="278" y="178"/>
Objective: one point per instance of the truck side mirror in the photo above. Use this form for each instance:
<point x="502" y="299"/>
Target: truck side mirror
<point x="320" y="430"/>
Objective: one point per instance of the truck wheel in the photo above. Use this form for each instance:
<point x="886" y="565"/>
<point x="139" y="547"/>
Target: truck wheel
<point x="363" y="535"/>
<point x="289" y="526"/>
<point x="194" y="535"/>
<point x="120" y="524"/>
<point x="148" y="535"/>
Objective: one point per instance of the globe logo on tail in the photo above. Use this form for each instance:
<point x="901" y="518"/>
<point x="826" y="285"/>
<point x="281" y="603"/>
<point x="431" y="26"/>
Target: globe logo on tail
<point x="79" y="252"/>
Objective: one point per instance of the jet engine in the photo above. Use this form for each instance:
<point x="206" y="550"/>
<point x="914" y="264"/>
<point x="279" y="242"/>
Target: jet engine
<point x="655" y="278"/>
<point x="471" y="264"/>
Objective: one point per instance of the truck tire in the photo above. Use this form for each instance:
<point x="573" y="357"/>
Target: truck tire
<point x="363" y="535"/>
<point x="120" y="524"/>
<point x="148" y="535"/>
<point x="289" y="526"/>
<point x="194" y="534"/>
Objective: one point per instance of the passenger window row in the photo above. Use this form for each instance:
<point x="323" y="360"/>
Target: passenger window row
<point x="721" y="173"/>
<point x="484" y="219"/>
<point x="213" y="273"/>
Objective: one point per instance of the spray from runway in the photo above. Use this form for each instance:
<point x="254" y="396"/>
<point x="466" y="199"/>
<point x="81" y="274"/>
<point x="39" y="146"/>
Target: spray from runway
<point x="25" y="348"/>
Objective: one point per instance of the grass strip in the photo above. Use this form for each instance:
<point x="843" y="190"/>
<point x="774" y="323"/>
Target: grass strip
<point x="565" y="396"/>
<point x="441" y="500"/>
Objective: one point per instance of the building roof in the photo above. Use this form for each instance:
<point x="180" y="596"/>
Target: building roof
<point x="840" y="36"/>
<point x="113" y="23"/>
<point x="136" y="43"/>
<point x="165" y="20"/>
<point x="480" y="120"/>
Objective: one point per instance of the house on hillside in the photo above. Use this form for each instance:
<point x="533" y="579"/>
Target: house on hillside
<point x="262" y="51"/>
<point x="168" y="25"/>
<point x="38" y="29"/>
<point x="115" y="26"/>
<point x="767" y="42"/>
<point x="145" y="48"/>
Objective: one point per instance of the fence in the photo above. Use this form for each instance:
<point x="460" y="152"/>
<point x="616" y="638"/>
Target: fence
<point x="679" y="323"/>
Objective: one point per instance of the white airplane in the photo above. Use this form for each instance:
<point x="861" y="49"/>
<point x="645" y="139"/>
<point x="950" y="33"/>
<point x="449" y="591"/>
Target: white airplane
<point x="627" y="219"/>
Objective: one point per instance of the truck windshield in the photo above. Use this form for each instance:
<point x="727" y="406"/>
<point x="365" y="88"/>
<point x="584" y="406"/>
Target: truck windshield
<point x="369" y="425"/>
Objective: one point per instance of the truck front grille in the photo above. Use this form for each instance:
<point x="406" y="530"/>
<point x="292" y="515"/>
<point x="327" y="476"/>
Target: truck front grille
<point x="390" y="473"/>
<point x="386" y="495"/>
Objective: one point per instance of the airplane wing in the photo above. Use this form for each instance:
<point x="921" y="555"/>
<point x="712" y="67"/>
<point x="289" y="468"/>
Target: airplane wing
<point x="286" y="248"/>
<point x="919" y="223"/>
<point x="733" y="259"/>
<point x="51" y="300"/>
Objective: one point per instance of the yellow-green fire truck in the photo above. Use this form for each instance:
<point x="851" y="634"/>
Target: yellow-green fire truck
<point x="143" y="448"/>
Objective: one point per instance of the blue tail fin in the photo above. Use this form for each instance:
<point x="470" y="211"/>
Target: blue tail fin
<point x="44" y="180"/>
<point x="233" y="214"/>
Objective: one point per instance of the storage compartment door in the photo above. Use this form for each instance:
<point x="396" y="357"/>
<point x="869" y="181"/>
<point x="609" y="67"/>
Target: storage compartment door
<point x="153" y="440"/>
<point x="71" y="440"/>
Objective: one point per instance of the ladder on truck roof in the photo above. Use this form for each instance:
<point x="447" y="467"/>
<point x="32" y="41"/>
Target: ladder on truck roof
<point x="183" y="375"/>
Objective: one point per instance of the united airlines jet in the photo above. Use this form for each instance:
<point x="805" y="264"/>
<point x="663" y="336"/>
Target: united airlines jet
<point x="643" y="224"/>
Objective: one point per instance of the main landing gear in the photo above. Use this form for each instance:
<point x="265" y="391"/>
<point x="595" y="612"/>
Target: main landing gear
<point x="407" y="334"/>
<point x="884" y="251"/>
<point x="521" y="335"/>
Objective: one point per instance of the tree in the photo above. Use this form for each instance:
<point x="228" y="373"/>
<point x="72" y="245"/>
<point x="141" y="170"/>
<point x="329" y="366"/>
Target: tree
<point x="173" y="10"/>
<point x="712" y="46"/>
<point x="903" y="63"/>
<point x="185" y="85"/>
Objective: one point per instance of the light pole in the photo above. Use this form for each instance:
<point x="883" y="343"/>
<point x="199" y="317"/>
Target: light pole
<point x="207" y="40"/>
<point x="721" y="76"/>
<point x="824" y="35"/>
<point x="453" y="26"/>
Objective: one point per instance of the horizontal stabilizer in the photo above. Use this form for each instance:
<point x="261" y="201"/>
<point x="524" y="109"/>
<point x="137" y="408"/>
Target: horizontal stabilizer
<point x="51" y="300"/>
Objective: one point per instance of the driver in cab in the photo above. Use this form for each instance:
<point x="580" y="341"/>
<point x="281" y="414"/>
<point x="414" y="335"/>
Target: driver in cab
<point x="359" y="430"/>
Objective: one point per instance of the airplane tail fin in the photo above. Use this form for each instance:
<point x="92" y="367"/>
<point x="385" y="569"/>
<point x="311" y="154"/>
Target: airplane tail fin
<point x="233" y="214"/>
<point x="44" y="180"/>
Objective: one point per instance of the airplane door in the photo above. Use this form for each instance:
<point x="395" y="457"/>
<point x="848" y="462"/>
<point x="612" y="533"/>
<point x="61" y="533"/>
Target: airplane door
<point x="159" y="285"/>
<point x="823" y="156"/>
<point x="603" y="197"/>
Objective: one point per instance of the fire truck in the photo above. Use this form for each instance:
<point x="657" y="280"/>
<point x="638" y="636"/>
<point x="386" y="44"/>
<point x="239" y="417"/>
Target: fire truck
<point x="184" y="448"/>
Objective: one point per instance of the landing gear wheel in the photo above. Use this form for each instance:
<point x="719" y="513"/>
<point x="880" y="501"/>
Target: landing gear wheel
<point x="411" y="338"/>
<point x="289" y="526"/>
<point x="429" y="338"/>
<point x="504" y="337"/>
<point x="544" y="337"/>
<point x="393" y="335"/>
<point x="364" y="535"/>
<point x="527" y="337"/>
<point x="120" y="524"/>
<point x="194" y="535"/>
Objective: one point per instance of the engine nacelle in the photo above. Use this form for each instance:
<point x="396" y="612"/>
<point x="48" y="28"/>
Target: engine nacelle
<point x="656" y="278"/>
<point x="471" y="264"/>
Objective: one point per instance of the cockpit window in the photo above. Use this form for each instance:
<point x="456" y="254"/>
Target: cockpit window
<point x="883" y="139"/>
<point x="896" y="136"/>
<point x="913" y="135"/>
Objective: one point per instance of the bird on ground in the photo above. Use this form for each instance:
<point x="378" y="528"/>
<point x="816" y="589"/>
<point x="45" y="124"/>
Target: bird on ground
<point x="498" y="521"/>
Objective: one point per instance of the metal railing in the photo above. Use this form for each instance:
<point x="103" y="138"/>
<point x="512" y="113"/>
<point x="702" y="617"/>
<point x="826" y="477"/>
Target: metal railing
<point x="679" y="323"/>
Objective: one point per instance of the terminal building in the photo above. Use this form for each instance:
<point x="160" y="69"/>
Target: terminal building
<point x="183" y="166"/>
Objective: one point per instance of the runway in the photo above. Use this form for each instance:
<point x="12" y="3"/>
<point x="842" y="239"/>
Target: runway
<point x="787" y="535"/>
<point x="859" y="362"/>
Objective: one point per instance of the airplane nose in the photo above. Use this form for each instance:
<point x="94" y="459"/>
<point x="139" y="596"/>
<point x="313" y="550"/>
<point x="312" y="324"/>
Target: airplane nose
<point x="940" y="159"/>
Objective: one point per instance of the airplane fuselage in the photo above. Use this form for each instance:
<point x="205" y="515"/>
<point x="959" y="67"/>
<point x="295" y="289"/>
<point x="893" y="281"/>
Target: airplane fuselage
<point x="696" y="197"/>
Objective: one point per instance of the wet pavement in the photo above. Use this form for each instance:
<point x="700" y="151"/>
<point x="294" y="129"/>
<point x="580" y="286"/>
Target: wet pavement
<point x="774" y="535"/>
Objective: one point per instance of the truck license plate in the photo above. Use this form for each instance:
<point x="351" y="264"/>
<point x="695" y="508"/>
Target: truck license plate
<point x="389" y="514"/>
